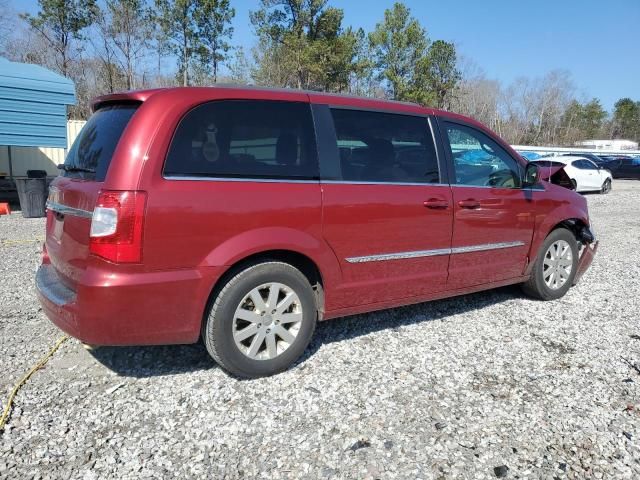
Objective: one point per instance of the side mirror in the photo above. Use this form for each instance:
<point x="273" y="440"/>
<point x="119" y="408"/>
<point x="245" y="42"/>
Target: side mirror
<point x="531" y="175"/>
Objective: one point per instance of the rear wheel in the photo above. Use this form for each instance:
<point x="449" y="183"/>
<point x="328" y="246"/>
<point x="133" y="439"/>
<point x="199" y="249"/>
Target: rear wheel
<point x="261" y="321"/>
<point x="606" y="186"/>
<point x="555" y="268"/>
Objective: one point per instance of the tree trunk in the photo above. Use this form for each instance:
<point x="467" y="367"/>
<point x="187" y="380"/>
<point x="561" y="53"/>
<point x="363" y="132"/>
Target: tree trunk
<point x="185" y="60"/>
<point x="129" y="65"/>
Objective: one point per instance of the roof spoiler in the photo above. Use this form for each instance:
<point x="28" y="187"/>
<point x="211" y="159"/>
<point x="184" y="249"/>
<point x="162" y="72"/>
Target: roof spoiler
<point x="134" y="96"/>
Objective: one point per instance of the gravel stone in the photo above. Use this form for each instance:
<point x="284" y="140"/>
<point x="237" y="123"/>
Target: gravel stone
<point x="501" y="471"/>
<point x="540" y="388"/>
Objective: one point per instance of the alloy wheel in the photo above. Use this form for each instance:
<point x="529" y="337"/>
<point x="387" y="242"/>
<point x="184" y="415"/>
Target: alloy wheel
<point x="557" y="265"/>
<point x="267" y="321"/>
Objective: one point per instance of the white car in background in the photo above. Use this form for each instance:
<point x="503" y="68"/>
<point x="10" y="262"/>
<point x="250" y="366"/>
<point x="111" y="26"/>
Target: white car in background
<point x="585" y="175"/>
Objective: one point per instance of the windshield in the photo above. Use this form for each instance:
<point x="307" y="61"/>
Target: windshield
<point x="91" y="152"/>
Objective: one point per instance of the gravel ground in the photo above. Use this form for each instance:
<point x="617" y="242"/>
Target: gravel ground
<point x="482" y="386"/>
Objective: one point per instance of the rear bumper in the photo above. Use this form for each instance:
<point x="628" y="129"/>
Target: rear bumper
<point x="109" y="308"/>
<point x="58" y="301"/>
<point x="585" y="260"/>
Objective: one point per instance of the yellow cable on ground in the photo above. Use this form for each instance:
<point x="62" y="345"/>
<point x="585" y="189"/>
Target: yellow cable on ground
<point x="20" y="242"/>
<point x="23" y="380"/>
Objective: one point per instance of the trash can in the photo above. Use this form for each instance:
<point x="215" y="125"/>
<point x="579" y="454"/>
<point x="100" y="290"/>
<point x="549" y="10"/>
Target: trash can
<point x="32" y="193"/>
<point x="36" y="174"/>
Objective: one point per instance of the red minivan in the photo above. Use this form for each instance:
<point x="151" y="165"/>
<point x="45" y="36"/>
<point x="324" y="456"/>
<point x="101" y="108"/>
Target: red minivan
<point x="244" y="215"/>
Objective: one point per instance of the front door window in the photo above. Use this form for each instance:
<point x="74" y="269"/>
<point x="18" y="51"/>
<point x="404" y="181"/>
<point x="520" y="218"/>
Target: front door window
<point x="480" y="161"/>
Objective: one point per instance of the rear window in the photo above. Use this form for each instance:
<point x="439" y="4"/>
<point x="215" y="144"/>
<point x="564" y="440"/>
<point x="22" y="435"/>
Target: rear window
<point x="245" y="139"/>
<point x="91" y="152"/>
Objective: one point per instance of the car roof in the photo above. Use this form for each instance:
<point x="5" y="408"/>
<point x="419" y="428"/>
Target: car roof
<point x="250" y="92"/>
<point x="569" y="158"/>
<point x="291" y="94"/>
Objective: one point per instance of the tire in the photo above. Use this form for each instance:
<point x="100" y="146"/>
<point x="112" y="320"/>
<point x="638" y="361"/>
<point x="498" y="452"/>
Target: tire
<point x="574" y="183"/>
<point x="606" y="186"/>
<point x="536" y="286"/>
<point x="234" y="314"/>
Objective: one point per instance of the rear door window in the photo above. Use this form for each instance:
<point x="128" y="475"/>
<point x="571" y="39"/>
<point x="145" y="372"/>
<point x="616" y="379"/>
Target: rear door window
<point x="245" y="139"/>
<point x="385" y="147"/>
<point x="90" y="155"/>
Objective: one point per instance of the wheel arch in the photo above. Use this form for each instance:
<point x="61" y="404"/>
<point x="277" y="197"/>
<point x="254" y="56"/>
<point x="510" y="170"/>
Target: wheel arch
<point x="573" y="219"/>
<point x="305" y="264"/>
<point x="574" y="225"/>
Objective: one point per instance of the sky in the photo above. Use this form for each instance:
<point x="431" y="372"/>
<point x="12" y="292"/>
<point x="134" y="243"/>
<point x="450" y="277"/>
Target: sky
<point x="597" y="41"/>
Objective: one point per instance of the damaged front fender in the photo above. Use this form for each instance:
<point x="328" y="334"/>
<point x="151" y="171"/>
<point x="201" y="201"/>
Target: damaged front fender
<point x="586" y="257"/>
<point x="589" y="246"/>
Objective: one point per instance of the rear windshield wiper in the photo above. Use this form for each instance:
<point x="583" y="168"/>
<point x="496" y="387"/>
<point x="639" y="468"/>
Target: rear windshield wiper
<point x="73" y="168"/>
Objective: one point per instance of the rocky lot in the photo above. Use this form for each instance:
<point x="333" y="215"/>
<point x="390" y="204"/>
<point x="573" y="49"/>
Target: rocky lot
<point x="482" y="386"/>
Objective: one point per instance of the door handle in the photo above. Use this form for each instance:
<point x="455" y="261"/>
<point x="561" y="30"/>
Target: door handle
<point x="436" y="203"/>
<point x="469" y="203"/>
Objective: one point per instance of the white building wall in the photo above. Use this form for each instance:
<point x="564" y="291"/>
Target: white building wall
<point x="38" y="158"/>
<point x="617" y="144"/>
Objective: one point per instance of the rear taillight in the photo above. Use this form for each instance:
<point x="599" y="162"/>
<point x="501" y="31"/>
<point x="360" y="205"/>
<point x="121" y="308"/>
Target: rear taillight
<point x="116" y="226"/>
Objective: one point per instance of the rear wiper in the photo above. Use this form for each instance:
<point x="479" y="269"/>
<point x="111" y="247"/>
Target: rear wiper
<point x="73" y="168"/>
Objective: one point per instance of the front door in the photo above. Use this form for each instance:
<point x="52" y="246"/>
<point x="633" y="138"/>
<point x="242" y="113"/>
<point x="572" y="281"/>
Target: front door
<point x="589" y="174"/>
<point x="493" y="215"/>
<point x="388" y="217"/>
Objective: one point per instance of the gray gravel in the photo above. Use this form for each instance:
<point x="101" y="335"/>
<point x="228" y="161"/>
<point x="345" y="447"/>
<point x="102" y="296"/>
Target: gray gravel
<point x="482" y="386"/>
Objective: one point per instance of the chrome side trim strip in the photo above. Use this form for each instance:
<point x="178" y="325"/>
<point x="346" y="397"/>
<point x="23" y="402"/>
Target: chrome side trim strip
<point x="399" y="256"/>
<point x="66" y="210"/>
<point x="360" y="182"/>
<point x="486" y="246"/>
<point x="433" y="253"/>
<point x="485" y="186"/>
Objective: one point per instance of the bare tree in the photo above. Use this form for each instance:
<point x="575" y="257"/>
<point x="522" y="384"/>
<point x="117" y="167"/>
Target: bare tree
<point x="7" y="21"/>
<point x="105" y="52"/>
<point x="551" y="96"/>
<point x="527" y="111"/>
<point x="477" y="96"/>
<point x="239" y="68"/>
<point x="517" y="110"/>
<point x="25" y="45"/>
<point x="129" y="28"/>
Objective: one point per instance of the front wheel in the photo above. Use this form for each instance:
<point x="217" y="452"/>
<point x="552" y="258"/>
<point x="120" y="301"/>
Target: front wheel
<point x="261" y="321"/>
<point x="606" y="186"/>
<point x="555" y="267"/>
